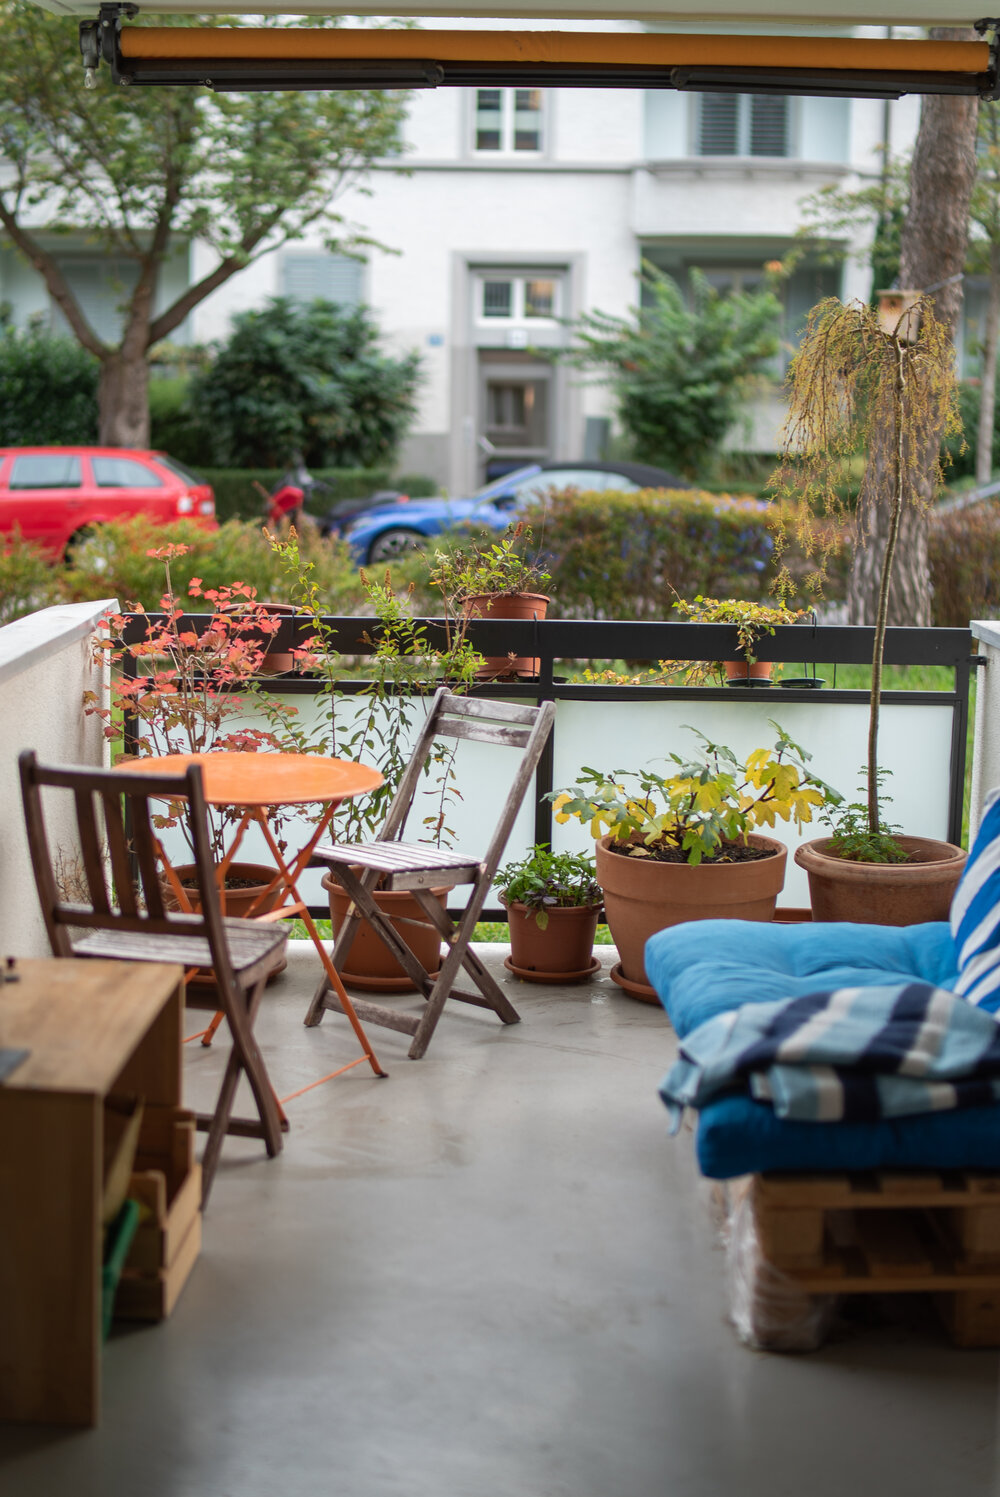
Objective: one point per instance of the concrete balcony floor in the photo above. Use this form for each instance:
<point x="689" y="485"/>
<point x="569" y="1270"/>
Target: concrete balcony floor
<point x="493" y="1275"/>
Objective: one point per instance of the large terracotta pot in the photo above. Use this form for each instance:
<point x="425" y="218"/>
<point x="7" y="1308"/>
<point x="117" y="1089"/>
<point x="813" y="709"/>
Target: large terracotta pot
<point x="506" y="606"/>
<point x="883" y="893"/>
<point x="245" y="882"/>
<point x="562" y="952"/>
<point x="370" y="965"/>
<point x="642" y="896"/>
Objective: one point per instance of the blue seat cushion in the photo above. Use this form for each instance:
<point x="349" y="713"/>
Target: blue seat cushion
<point x="707" y="967"/>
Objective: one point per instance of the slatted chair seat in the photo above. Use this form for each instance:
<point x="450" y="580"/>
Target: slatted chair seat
<point x="389" y="863"/>
<point x="248" y="944"/>
<point x="132" y="923"/>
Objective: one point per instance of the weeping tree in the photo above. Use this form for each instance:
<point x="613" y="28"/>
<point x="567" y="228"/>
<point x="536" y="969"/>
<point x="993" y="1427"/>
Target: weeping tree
<point x="138" y="172"/>
<point x="932" y="251"/>
<point x="855" y="386"/>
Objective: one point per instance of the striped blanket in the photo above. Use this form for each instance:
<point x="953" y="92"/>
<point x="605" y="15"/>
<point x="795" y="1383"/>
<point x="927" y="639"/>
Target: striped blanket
<point x="855" y="1054"/>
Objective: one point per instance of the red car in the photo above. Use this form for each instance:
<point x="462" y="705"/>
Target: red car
<point x="56" y="495"/>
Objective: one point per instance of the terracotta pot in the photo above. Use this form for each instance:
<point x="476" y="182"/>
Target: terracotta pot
<point x="253" y="879"/>
<point x="506" y="606"/>
<point x="741" y="670"/>
<point x="277" y="662"/>
<point x="370" y="965"/>
<point x="883" y="893"/>
<point x="642" y="896"/>
<point x="562" y="952"/>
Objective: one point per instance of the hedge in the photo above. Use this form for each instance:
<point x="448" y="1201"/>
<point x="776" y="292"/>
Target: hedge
<point x="630" y="556"/>
<point x="237" y="499"/>
<point x="963" y="550"/>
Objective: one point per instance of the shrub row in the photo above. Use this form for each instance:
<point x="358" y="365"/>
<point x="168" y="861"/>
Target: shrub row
<point x="237" y="499"/>
<point x="964" y="555"/>
<point x="629" y="556"/>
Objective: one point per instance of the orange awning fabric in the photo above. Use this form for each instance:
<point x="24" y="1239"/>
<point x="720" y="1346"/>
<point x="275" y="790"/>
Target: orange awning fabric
<point x="302" y="57"/>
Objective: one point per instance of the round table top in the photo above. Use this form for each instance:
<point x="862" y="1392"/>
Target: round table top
<point x="242" y="779"/>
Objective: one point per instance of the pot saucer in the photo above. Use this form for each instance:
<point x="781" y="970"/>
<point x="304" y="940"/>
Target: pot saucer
<point x="529" y="974"/>
<point x="640" y="990"/>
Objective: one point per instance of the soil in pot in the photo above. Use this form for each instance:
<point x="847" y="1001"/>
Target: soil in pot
<point x="245" y="883"/>
<point x="506" y="606"/>
<point x="370" y="965"/>
<point x="562" y="952"/>
<point x="645" y="895"/>
<point x="883" y="893"/>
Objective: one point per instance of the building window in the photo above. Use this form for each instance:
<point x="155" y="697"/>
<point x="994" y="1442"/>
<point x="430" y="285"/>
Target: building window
<point x="102" y="289"/>
<point x="518" y="298"/>
<point x="307" y="277"/>
<point x="508" y="119"/>
<point x="743" y="125"/>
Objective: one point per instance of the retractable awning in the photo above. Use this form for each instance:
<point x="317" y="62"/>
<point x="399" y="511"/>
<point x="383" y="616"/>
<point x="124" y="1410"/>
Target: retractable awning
<point x="250" y="58"/>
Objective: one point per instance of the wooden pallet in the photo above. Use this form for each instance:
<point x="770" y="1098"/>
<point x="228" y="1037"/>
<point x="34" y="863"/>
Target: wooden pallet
<point x="888" y="1233"/>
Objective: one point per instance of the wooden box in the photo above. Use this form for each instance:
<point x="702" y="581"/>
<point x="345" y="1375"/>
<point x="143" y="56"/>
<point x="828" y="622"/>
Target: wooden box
<point x="167" y="1183"/>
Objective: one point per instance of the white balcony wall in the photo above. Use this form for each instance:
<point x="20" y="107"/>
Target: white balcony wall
<point x="46" y="665"/>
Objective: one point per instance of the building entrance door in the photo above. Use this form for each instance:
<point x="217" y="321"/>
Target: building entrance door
<point x="515" y="411"/>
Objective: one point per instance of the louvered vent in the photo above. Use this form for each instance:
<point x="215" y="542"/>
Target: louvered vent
<point x="768" y="125"/>
<point x="719" y="132"/>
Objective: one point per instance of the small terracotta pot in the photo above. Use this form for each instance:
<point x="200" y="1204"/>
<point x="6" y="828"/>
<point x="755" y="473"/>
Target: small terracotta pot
<point x="883" y="893"/>
<point x="743" y="670"/>
<point x="277" y="662"/>
<point x="506" y="606"/>
<point x="642" y="896"/>
<point x="370" y="965"/>
<point x="563" y="950"/>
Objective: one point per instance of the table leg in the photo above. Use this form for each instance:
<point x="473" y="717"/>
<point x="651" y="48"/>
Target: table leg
<point x="332" y="974"/>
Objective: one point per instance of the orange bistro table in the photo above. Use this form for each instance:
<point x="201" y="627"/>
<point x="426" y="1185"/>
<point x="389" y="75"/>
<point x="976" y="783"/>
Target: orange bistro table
<point x="251" y="784"/>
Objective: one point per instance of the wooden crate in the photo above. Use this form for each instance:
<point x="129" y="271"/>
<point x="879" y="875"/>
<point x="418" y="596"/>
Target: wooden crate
<point x="888" y="1233"/>
<point x="167" y="1183"/>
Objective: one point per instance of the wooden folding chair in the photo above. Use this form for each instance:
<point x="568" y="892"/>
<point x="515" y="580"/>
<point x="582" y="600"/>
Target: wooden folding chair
<point x="130" y="924"/>
<point x="392" y="864"/>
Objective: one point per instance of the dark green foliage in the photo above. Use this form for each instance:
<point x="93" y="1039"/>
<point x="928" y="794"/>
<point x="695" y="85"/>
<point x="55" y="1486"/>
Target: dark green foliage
<point x="678" y="371"/>
<point x="961" y="447"/>
<point x="627" y="556"/>
<point x="48" y="390"/>
<point x="28" y="581"/>
<point x="963" y="549"/>
<point x="547" y="880"/>
<point x="175" y="425"/>
<point x="306" y="379"/>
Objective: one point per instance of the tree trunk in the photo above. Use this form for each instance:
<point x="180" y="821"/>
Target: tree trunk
<point x="988" y="377"/>
<point x="123" y="388"/>
<point x="932" y="250"/>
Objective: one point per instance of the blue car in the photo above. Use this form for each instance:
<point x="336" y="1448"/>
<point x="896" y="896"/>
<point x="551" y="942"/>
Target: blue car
<point x="389" y="530"/>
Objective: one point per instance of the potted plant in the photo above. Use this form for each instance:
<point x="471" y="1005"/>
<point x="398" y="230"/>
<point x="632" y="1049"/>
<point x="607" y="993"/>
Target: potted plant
<point x="553" y="902"/>
<point x="751" y="620"/>
<point x="493" y="578"/>
<point x="858" y="385"/>
<point x="186" y="692"/>
<point x="685" y="846"/>
<point x="376" y="724"/>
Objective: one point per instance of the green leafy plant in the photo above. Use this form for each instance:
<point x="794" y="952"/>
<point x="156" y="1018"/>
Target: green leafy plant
<point x="376" y="723"/>
<point x="488" y="567"/>
<point x="28" y="580"/>
<point x="679" y="368"/>
<point x="308" y="378"/>
<point x="751" y="619"/>
<point x="547" y="880"/>
<point x="48" y="389"/>
<point x="705" y="808"/>
<point x="852" y="836"/>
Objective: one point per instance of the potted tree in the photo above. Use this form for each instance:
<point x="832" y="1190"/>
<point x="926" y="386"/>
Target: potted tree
<point x="685" y="846"/>
<point x="751" y="620"/>
<point x="888" y="390"/>
<point x="553" y="902"/>
<point x="496" y="579"/>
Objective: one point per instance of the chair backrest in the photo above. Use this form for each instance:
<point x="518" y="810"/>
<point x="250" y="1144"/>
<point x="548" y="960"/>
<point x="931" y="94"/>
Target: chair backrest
<point x="115" y="831"/>
<point x="504" y="724"/>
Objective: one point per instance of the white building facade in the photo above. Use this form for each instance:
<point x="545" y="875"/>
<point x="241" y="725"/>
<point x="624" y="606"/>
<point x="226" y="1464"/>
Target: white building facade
<point x="520" y="208"/>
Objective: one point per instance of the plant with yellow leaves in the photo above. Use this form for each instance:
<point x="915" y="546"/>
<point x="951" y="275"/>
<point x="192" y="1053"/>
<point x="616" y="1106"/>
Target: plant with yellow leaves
<point x="705" y="809"/>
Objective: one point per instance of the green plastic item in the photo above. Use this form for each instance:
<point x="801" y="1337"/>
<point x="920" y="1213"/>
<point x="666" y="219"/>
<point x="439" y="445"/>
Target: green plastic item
<point x="117" y="1241"/>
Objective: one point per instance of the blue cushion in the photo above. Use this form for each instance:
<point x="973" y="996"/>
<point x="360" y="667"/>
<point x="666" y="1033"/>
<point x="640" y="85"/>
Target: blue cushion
<point x="975" y="914"/>
<point x="707" y="967"/>
<point x="738" y="1136"/>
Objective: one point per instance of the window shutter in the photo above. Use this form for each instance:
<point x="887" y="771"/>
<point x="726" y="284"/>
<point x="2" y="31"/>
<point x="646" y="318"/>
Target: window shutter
<point x="718" y="133"/>
<point x="335" y="278"/>
<point x="768" y="125"/>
